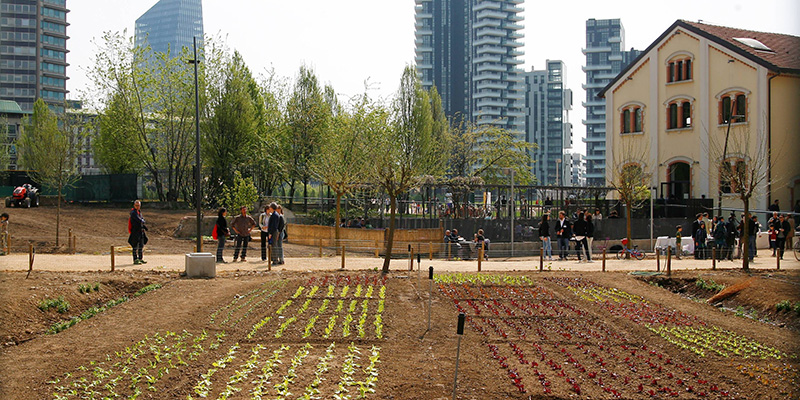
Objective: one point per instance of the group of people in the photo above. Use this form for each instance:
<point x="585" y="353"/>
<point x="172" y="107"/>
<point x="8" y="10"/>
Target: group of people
<point x="580" y="230"/>
<point x="272" y="226"/>
<point x="460" y="247"/>
<point x="722" y="235"/>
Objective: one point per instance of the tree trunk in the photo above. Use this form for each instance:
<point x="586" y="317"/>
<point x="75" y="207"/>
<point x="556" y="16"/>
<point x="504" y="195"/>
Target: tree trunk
<point x="390" y="239"/>
<point x="291" y="194"/>
<point x="305" y="196"/>
<point x="58" y="213"/>
<point x="338" y="216"/>
<point x="746" y="236"/>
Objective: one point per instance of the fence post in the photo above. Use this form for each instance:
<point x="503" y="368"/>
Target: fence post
<point x="74" y="244"/>
<point x="30" y="260"/>
<point x="713" y="258"/>
<point x="430" y="248"/>
<point x="112" y="259"/>
<point x="778" y="258"/>
<point x="448" y="250"/>
<point x="669" y="260"/>
<point x="604" y="260"/>
<point x="69" y="241"/>
<point x="658" y="261"/>
<point x="377" y="249"/>
<point x="541" y="259"/>
<point x="480" y="256"/>
<point x="342" y="257"/>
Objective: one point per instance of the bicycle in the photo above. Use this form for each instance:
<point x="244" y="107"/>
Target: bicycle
<point x="634" y="253"/>
<point x="797" y="248"/>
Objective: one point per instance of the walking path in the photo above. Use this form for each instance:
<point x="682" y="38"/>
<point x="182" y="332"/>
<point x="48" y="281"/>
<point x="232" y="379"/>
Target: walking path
<point x="176" y="262"/>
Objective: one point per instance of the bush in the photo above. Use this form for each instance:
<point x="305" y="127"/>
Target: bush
<point x="59" y="304"/>
<point x="709" y="285"/>
<point x="785" y="305"/>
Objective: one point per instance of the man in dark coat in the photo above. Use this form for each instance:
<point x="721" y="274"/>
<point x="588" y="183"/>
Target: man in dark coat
<point x="563" y="234"/>
<point x="273" y="225"/>
<point x="136" y="228"/>
<point x="579" y="228"/>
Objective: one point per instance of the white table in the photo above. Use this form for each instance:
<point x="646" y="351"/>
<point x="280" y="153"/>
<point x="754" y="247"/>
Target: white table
<point x="662" y="242"/>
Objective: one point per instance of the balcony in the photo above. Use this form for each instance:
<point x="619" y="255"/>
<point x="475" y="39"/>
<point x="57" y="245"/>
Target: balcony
<point x="615" y="57"/>
<point x="593" y="85"/>
<point x="512" y="61"/>
<point x="511" y="43"/>
<point x="484" y="76"/>
<point x="595" y="140"/>
<point x="481" y="103"/>
<point x="488" y="40"/>
<point x="490" y="32"/>
<point x="490" y="67"/>
<point x="491" y="13"/>
<point x="615" y="39"/>
<point x="598" y="103"/>
<point x="600" y="67"/>
<point x="593" y="121"/>
<point x="487" y="5"/>
<point x="491" y="85"/>
<point x="490" y="50"/>
<point x="596" y="50"/>
<point x="491" y="23"/>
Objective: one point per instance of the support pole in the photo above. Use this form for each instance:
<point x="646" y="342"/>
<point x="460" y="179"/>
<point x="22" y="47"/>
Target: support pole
<point x="460" y="332"/>
<point x="604" y="260"/>
<point x="778" y="259"/>
<point x="480" y="256"/>
<point x="430" y="294"/>
<point x="69" y="241"/>
<point x="658" y="261"/>
<point x="30" y="260"/>
<point x="377" y="249"/>
<point x="713" y="258"/>
<point x="342" y="257"/>
<point x="410" y="258"/>
<point x="669" y="260"/>
<point x="319" y="243"/>
<point x="541" y="259"/>
<point x="112" y="259"/>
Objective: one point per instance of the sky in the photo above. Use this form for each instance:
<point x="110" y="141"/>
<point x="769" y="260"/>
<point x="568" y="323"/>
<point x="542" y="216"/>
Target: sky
<point x="352" y="44"/>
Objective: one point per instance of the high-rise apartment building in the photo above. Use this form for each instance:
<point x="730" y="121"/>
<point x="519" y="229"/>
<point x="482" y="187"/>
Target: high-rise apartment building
<point x="605" y="58"/>
<point x="547" y="105"/>
<point x="33" y="52"/>
<point x="469" y="49"/>
<point x="170" y="25"/>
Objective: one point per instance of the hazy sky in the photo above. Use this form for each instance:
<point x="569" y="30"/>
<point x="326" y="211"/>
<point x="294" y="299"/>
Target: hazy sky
<point x="350" y="41"/>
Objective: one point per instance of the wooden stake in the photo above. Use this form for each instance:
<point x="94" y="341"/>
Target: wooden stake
<point x="69" y="241"/>
<point x="778" y="258"/>
<point x="319" y="243"/>
<point x="377" y="249"/>
<point x="342" y="257"/>
<point x="713" y="258"/>
<point x="669" y="260"/>
<point x="112" y="259"/>
<point x="30" y="260"/>
<point x="430" y="248"/>
<point x="604" y="260"/>
<point x="658" y="260"/>
<point x="448" y="250"/>
<point x="480" y="256"/>
<point x="541" y="259"/>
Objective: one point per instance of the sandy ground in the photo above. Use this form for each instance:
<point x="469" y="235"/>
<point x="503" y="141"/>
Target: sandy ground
<point x="173" y="262"/>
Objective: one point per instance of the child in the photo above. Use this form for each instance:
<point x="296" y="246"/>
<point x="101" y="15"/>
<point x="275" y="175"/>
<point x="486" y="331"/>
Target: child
<point x="700" y="242"/>
<point x="678" y="248"/>
<point x="3" y="234"/>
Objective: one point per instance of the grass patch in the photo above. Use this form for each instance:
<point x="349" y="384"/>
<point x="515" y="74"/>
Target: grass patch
<point x="709" y="285"/>
<point x="148" y="288"/>
<point x="59" y="304"/>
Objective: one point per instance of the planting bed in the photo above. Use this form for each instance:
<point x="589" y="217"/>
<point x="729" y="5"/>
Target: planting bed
<point x="360" y="335"/>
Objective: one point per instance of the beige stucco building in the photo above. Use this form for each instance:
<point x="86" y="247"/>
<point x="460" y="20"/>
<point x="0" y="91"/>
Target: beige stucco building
<point x="671" y="109"/>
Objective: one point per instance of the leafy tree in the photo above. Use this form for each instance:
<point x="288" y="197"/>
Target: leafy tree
<point x="5" y="146"/>
<point x="271" y="152"/>
<point x="230" y="129"/>
<point x="344" y="159"/>
<point x="630" y="179"/>
<point x="241" y="193"/>
<point x="49" y="150"/>
<point x="407" y="150"/>
<point x="148" y="102"/>
<point x="307" y="118"/>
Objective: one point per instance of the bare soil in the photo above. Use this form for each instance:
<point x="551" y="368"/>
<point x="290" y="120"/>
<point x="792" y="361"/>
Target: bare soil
<point x="414" y="363"/>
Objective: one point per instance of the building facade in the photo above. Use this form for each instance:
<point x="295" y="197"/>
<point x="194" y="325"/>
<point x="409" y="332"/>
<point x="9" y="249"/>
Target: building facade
<point x="605" y="58"/>
<point x="702" y="98"/>
<point x="170" y="25"/>
<point x="11" y="119"/>
<point x="470" y="51"/>
<point x="33" y="52"/>
<point x="547" y="106"/>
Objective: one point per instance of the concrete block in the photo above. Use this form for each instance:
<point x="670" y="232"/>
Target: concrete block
<point x="201" y="265"/>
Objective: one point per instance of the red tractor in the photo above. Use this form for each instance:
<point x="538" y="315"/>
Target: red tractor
<point x="24" y="196"/>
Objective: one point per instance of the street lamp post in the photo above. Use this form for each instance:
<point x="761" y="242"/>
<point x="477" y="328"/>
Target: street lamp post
<point x="512" y="207"/>
<point x="724" y="156"/>
<point x="198" y="186"/>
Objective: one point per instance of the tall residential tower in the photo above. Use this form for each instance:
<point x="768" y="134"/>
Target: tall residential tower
<point x="547" y="106"/>
<point x="33" y="52"/>
<point x="469" y="50"/>
<point x="605" y="58"/>
<point x="170" y="24"/>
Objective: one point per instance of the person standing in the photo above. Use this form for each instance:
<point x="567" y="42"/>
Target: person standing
<point x="700" y="242"/>
<point x="579" y="229"/>
<point x="720" y="234"/>
<point x="279" y="235"/>
<point x="781" y="232"/>
<point x="563" y="234"/>
<point x="136" y="228"/>
<point x="678" y="248"/>
<point x="753" y="228"/>
<point x="262" y="225"/>
<point x="589" y="236"/>
<point x="242" y="225"/>
<point x="272" y="229"/>
<point x="730" y="238"/>
<point x="695" y="226"/>
<point x="790" y="232"/>
<point x="221" y="228"/>
<point x="775" y="207"/>
<point x="544" y="235"/>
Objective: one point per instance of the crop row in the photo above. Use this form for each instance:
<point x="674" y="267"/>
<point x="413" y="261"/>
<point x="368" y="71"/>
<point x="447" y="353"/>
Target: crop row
<point x="252" y="300"/>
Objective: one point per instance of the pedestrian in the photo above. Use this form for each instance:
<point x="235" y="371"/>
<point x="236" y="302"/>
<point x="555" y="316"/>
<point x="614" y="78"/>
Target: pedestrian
<point x="480" y="240"/>
<point x="678" y="247"/>
<point x="720" y="237"/>
<point x="730" y="238"/>
<point x="782" y="227"/>
<point x="563" y="234"/>
<point x="790" y="232"/>
<point x="262" y="226"/>
<point x="753" y="229"/>
<point x="775" y="207"/>
<point x="280" y="235"/>
<point x="221" y="231"/>
<point x="242" y="225"/>
<point x="589" y="236"/>
<point x="137" y="237"/>
<point x="700" y="242"/>
<point x="772" y="231"/>
<point x="4" y="250"/>
<point x="544" y="236"/>
<point x="695" y="226"/>
<point x="273" y="229"/>
<point x="579" y="230"/>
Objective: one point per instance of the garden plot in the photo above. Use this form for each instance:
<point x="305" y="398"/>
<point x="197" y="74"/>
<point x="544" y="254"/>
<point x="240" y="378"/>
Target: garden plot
<point x="559" y="346"/>
<point x="316" y="338"/>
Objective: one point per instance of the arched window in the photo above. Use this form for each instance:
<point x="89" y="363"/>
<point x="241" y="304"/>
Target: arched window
<point x="632" y="118"/>
<point x="733" y="108"/>
<point x="679" y="114"/>
<point x="679" y="68"/>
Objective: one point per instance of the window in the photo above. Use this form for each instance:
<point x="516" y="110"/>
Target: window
<point x="733" y="108"/>
<point x="631" y="119"/>
<point x="679" y="69"/>
<point x="679" y="114"/>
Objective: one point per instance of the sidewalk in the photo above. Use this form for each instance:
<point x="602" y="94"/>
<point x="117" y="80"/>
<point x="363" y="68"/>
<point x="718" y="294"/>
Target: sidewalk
<point x="175" y="262"/>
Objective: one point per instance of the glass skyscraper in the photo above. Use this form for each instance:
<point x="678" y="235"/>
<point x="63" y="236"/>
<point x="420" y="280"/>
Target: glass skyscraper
<point x="33" y="52"/>
<point x="170" y="25"/>
<point x="547" y="106"/>
<point x="605" y="58"/>
<point x="469" y="49"/>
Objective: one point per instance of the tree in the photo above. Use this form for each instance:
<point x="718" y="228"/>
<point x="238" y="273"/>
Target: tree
<point x="230" y="129"/>
<point x="241" y="193"/>
<point x="743" y="172"/>
<point x="5" y="147"/>
<point x="49" y="150"/>
<point x="407" y="150"/>
<point x="631" y="179"/>
<point x="344" y="159"/>
<point x="148" y="101"/>
<point x="270" y="159"/>
<point x="307" y="118"/>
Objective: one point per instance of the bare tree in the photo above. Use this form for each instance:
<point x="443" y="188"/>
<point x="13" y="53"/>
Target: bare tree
<point x="631" y="177"/>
